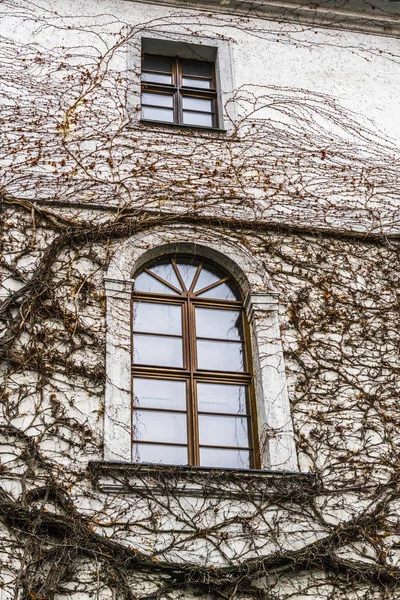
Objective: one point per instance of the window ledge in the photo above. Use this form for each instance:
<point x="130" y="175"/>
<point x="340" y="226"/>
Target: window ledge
<point x="144" y="478"/>
<point x="176" y="126"/>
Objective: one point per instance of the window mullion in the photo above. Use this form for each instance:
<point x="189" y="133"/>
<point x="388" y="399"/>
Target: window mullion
<point x="178" y="93"/>
<point x="193" y="421"/>
<point x="215" y="99"/>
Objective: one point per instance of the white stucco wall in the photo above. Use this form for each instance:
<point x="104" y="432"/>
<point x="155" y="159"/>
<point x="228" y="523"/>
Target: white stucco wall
<point x="342" y="69"/>
<point x="359" y="70"/>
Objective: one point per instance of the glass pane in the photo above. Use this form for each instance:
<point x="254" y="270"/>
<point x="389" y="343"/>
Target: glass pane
<point x="159" y="393"/>
<point x="197" y="104"/>
<point x="166" y="271"/>
<point x="157" y="99"/>
<point x="220" y="356"/>
<point x="204" y="84"/>
<point x="202" y="69"/>
<point x="203" y="119"/>
<point x="221" y="398"/>
<point x="152" y="64"/>
<point x="235" y="459"/>
<point x="222" y="291"/>
<point x="156" y="78"/>
<point x="152" y="426"/>
<point x="187" y="271"/>
<point x="146" y="283"/>
<point x="223" y="431"/>
<point x="158" y="114"/>
<point x="206" y="278"/>
<point x="157" y="318"/>
<point x="215" y="323"/>
<point x="157" y="351"/>
<point x="167" y="455"/>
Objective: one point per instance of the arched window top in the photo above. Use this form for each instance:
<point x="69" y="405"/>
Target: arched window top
<point x="137" y="251"/>
<point x="182" y="276"/>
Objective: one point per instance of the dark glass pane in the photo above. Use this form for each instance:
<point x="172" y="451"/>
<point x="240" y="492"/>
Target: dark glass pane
<point x="187" y="271"/>
<point x="220" y="356"/>
<point x="158" y="114"/>
<point x="157" y="99"/>
<point x="221" y="398"/>
<point x="234" y="459"/>
<point x="204" y="84"/>
<point x="215" y="323"/>
<point x="157" y="351"/>
<point x="153" y="426"/>
<point x="167" y="272"/>
<point x="154" y="453"/>
<point x="146" y="283"/>
<point x="153" y="64"/>
<point x="156" y="78"/>
<point x="201" y="69"/>
<point x="197" y="104"/>
<point x="152" y="317"/>
<point x="223" y="431"/>
<point x="202" y="119"/>
<point x="159" y="393"/>
<point x="222" y="292"/>
<point x="206" y="278"/>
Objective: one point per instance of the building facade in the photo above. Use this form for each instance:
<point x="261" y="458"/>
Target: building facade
<point x="200" y="305"/>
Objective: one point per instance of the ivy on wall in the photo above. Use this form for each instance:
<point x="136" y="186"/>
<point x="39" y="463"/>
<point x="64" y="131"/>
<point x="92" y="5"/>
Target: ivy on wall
<point x="314" y="193"/>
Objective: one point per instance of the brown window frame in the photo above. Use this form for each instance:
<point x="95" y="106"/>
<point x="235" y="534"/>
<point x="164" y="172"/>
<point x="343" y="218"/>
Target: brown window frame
<point x="191" y="374"/>
<point x="179" y="91"/>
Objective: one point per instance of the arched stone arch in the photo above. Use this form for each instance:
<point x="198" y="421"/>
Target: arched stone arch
<point x="211" y="244"/>
<point x="261" y="302"/>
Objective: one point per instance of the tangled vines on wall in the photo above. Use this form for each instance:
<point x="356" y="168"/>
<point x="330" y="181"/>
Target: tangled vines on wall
<point x="304" y="185"/>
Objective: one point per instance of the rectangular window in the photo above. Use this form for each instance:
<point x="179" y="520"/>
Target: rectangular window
<point x="179" y="91"/>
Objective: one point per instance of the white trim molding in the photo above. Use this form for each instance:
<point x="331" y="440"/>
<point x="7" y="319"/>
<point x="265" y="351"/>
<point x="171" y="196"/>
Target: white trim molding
<point x="117" y="417"/>
<point x="276" y="434"/>
<point x="382" y="17"/>
<point x="275" y="428"/>
<point x="186" y="46"/>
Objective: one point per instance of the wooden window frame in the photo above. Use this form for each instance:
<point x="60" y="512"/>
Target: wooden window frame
<point x="179" y="91"/>
<point x="191" y="374"/>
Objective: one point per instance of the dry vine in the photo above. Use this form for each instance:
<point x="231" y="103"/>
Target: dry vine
<point x="302" y="183"/>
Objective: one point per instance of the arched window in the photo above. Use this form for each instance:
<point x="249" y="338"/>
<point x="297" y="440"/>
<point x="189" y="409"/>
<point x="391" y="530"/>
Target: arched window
<point x="191" y="367"/>
<point x="206" y="386"/>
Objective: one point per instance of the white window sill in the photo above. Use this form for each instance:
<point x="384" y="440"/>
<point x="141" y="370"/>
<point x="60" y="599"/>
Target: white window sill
<point x="210" y="482"/>
<point x="178" y="128"/>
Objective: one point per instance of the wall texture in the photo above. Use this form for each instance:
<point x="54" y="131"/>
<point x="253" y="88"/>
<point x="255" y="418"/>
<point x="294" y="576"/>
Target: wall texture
<point x="304" y="185"/>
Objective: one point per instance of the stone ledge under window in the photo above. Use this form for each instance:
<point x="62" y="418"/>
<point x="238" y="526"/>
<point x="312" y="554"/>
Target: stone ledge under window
<point x="179" y="127"/>
<point x="204" y="482"/>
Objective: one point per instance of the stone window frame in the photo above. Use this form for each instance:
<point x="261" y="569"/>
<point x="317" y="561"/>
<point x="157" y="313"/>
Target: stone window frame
<point x="275" y="428"/>
<point x="212" y="48"/>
